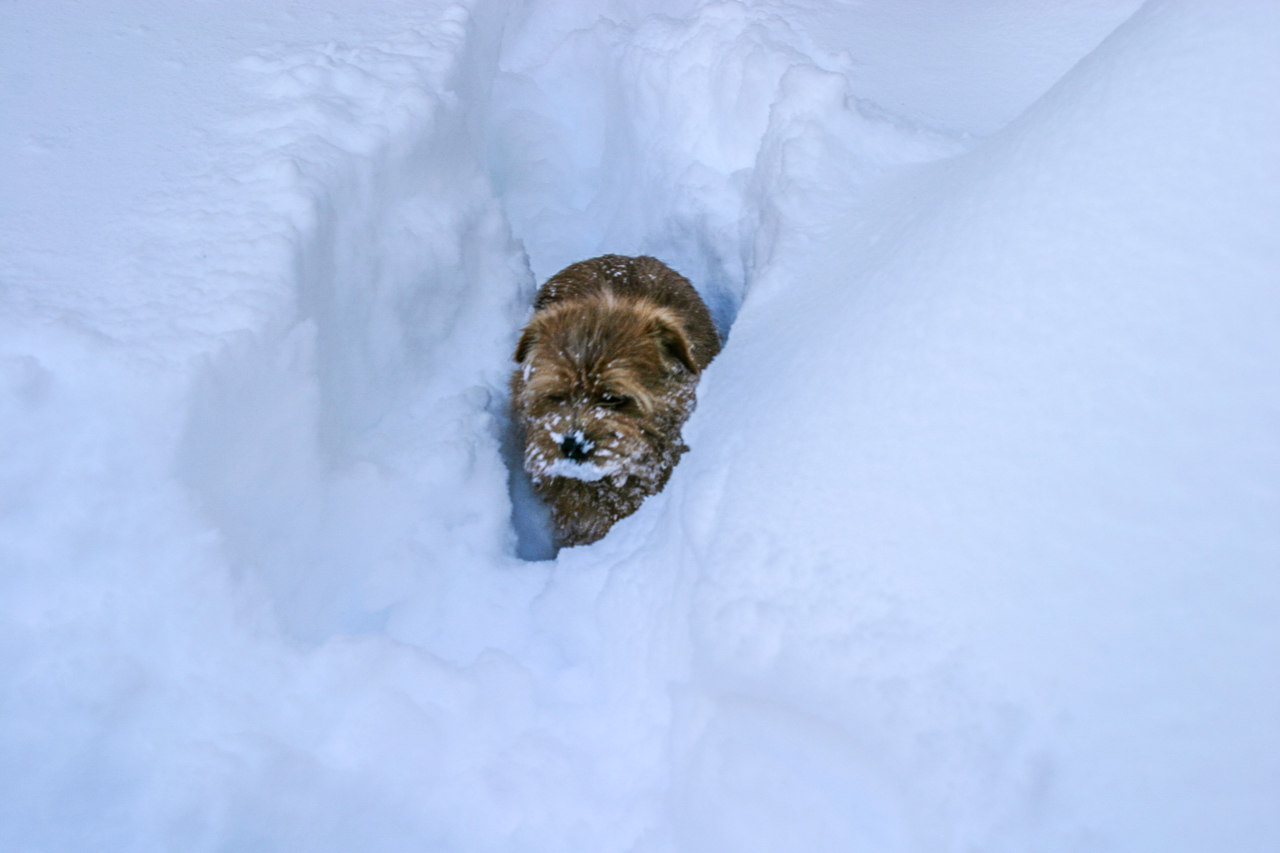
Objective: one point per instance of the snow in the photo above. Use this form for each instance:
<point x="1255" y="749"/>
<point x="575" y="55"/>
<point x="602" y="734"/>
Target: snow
<point x="975" y="547"/>
<point x="590" y="472"/>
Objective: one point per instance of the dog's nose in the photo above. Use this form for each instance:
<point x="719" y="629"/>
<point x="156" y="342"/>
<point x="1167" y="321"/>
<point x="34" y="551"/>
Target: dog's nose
<point x="574" y="448"/>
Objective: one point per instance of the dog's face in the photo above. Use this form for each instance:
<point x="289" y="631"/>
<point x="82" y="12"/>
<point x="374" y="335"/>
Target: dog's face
<point x="602" y="389"/>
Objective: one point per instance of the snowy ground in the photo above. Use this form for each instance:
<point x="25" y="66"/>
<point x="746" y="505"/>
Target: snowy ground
<point x="978" y="544"/>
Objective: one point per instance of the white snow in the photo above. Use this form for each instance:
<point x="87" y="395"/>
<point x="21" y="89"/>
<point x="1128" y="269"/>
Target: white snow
<point x="588" y="471"/>
<point x="976" y="546"/>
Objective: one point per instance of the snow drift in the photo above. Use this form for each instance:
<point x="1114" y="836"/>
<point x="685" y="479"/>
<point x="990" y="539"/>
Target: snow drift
<point x="976" y="544"/>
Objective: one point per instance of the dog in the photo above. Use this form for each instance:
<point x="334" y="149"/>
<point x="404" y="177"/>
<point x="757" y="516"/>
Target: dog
<point x="605" y="379"/>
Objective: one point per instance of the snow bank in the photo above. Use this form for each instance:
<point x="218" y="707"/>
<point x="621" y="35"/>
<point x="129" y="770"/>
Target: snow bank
<point x="975" y="547"/>
<point x="999" y="516"/>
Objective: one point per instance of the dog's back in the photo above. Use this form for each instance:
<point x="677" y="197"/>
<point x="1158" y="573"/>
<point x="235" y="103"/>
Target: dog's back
<point x="642" y="277"/>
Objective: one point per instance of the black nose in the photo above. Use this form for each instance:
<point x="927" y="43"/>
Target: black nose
<point x="574" y="448"/>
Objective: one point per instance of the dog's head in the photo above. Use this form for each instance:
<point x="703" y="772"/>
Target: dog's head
<point x="603" y="387"/>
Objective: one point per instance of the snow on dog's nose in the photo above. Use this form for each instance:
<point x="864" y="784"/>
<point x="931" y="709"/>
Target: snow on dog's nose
<point x="576" y="447"/>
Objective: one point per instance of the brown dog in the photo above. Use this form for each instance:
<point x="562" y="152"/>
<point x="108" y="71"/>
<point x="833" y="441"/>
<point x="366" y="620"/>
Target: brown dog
<point x="608" y="367"/>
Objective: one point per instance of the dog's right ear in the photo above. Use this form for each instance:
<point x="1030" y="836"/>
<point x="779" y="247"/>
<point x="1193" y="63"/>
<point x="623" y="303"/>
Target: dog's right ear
<point x="527" y="340"/>
<point x="672" y="340"/>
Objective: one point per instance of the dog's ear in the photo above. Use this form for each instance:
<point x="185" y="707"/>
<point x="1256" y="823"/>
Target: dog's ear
<point x="527" y="340"/>
<point x="672" y="341"/>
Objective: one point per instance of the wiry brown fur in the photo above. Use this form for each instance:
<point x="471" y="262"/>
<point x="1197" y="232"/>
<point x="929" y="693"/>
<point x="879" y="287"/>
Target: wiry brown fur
<point x="608" y="364"/>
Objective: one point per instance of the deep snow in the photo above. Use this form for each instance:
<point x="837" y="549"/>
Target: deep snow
<point x="976" y="547"/>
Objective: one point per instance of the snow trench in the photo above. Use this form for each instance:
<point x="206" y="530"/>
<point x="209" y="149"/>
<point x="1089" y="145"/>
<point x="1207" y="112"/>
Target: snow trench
<point x="355" y="457"/>
<point x="344" y="449"/>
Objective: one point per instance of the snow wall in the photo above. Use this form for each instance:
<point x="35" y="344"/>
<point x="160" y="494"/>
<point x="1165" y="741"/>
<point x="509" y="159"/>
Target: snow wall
<point x="976" y="548"/>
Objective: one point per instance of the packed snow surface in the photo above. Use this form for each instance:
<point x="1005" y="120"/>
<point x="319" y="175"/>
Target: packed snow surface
<point x="977" y="546"/>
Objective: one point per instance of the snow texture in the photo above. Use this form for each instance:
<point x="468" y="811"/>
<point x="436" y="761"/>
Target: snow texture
<point x="976" y="545"/>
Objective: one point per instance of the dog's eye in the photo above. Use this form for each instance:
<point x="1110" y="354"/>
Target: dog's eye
<point x="557" y="399"/>
<point x="614" y="401"/>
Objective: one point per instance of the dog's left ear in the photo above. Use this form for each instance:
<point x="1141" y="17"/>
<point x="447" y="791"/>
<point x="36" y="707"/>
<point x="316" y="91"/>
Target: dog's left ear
<point x="527" y="340"/>
<point x="671" y="339"/>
